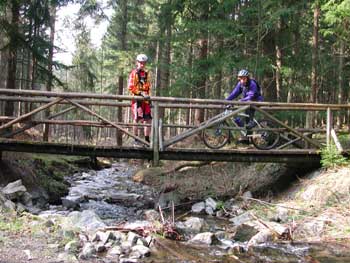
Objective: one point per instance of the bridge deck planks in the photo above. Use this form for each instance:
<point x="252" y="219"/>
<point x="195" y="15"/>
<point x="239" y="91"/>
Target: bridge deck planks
<point x="202" y="154"/>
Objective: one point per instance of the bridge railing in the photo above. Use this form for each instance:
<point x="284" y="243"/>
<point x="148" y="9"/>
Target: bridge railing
<point x="176" y="121"/>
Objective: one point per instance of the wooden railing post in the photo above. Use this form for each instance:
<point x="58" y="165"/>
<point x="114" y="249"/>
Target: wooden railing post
<point x="329" y="127"/>
<point x="155" y="134"/>
<point x="161" y="139"/>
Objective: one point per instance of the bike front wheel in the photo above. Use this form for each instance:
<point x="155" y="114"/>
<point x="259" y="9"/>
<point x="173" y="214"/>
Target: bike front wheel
<point x="264" y="139"/>
<point x="216" y="136"/>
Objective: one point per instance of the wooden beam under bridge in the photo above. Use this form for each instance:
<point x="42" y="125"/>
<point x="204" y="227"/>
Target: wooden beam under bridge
<point x="241" y="155"/>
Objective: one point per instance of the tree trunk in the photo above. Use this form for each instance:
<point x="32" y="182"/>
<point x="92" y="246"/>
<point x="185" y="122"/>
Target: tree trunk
<point x="268" y="81"/>
<point x="341" y="91"/>
<point x="278" y="61"/>
<point x="314" y="73"/>
<point x="188" y="91"/>
<point x="202" y="80"/>
<point x="12" y="58"/>
<point x="124" y="8"/>
<point x="49" y="66"/>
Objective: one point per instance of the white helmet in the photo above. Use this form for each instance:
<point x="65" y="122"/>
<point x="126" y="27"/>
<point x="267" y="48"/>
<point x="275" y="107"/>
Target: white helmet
<point x="141" y="58"/>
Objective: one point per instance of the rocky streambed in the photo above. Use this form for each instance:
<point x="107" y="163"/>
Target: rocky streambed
<point x="106" y="217"/>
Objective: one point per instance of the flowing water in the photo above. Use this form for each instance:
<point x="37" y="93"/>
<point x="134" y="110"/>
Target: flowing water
<point x="115" y="197"/>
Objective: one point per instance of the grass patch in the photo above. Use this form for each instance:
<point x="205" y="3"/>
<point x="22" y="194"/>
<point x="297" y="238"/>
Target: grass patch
<point x="331" y="158"/>
<point x="11" y="223"/>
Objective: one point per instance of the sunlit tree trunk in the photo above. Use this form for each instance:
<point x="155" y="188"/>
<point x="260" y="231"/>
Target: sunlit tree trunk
<point x="278" y="61"/>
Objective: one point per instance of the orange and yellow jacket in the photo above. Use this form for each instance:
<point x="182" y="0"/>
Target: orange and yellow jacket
<point x="139" y="81"/>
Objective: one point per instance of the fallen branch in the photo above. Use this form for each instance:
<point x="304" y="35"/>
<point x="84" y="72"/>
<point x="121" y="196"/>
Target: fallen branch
<point x="271" y="204"/>
<point x="185" y="165"/>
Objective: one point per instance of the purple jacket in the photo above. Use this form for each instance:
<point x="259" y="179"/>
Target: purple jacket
<point x="251" y="92"/>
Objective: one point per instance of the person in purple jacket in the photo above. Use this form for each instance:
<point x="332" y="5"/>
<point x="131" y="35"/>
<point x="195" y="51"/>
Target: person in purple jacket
<point x="250" y="90"/>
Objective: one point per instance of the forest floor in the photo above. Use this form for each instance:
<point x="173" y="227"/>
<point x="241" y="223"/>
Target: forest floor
<point x="322" y="194"/>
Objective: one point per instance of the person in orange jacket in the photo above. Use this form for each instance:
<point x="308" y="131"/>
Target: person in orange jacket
<point x="139" y="84"/>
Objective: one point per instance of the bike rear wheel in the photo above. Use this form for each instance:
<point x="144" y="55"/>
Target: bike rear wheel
<point x="216" y="136"/>
<point x="265" y="140"/>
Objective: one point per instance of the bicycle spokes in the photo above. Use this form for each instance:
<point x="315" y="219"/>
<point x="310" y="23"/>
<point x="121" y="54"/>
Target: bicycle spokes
<point x="217" y="136"/>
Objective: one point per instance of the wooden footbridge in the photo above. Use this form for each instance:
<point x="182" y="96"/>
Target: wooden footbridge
<point x="89" y="124"/>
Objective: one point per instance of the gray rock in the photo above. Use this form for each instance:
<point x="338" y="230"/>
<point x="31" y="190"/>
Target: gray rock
<point x="72" y="247"/>
<point x="137" y="224"/>
<point x="247" y="195"/>
<point x="210" y="202"/>
<point x="151" y="215"/>
<point x="26" y="199"/>
<point x="220" y="213"/>
<point x="191" y="225"/>
<point x="209" y="210"/>
<point x="118" y="236"/>
<point x="277" y="228"/>
<point x="198" y="207"/>
<point x="226" y="244"/>
<point x="113" y="251"/>
<point x="72" y="202"/>
<point x="262" y="237"/>
<point x="21" y="208"/>
<point x="10" y="205"/>
<point x="281" y="215"/>
<point x="244" y="232"/>
<point x="206" y="238"/>
<point x="103" y="237"/>
<point x="14" y="190"/>
<point x="131" y="238"/>
<point x="3" y="199"/>
<point x="135" y="255"/>
<point x="166" y="199"/>
<point x="49" y="222"/>
<point x="243" y="218"/>
<point x="126" y="247"/>
<point x="86" y="220"/>
<point x="142" y="250"/>
<point x="128" y="260"/>
<point x="88" y="251"/>
<point x="100" y="247"/>
<point x="141" y="241"/>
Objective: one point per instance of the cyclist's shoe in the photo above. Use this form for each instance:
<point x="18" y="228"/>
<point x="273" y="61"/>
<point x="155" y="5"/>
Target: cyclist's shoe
<point x="250" y="125"/>
<point x="218" y="132"/>
<point x="243" y="140"/>
<point x="137" y="144"/>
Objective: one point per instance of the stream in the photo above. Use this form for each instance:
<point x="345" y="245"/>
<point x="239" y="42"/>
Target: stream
<point x="115" y="198"/>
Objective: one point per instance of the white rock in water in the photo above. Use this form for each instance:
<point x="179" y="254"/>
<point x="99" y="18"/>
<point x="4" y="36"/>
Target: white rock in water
<point x="198" y="207"/>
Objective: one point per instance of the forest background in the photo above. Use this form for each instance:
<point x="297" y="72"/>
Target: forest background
<point x="298" y="50"/>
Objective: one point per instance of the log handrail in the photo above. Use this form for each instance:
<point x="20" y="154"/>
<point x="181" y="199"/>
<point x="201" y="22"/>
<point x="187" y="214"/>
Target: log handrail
<point x="75" y="95"/>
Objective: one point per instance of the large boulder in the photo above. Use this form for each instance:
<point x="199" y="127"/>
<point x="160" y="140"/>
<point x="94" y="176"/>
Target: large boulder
<point x="86" y="220"/>
<point x="14" y="190"/>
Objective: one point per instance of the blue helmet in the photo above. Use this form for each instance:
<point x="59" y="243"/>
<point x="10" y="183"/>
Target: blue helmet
<point x="243" y="73"/>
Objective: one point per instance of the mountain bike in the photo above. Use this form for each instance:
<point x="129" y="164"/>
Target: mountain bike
<point x="260" y="134"/>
